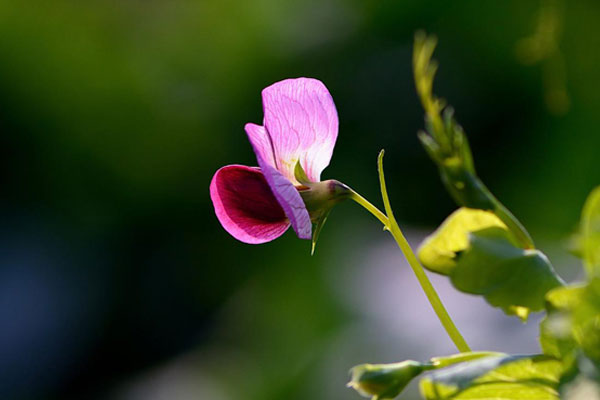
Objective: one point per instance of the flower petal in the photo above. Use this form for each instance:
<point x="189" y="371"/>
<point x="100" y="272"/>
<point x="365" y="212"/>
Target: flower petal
<point x="261" y="142"/>
<point x="284" y="190"/>
<point x="245" y="205"/>
<point x="302" y="122"/>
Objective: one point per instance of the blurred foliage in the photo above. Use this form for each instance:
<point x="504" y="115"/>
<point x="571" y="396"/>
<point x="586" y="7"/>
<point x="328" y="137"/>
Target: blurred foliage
<point x="590" y="233"/>
<point x="543" y="46"/>
<point x="115" y="114"/>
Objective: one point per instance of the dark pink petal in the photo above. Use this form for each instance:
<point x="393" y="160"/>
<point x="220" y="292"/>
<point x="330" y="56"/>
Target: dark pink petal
<point x="302" y="122"/>
<point x="283" y="189"/>
<point x="245" y="205"/>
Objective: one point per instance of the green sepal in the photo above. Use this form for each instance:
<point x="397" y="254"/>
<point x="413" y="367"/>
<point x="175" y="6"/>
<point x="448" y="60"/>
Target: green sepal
<point x="317" y="230"/>
<point x="319" y="198"/>
<point x="300" y="174"/>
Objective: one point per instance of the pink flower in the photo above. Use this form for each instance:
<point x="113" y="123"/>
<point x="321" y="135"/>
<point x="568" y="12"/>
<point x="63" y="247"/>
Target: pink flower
<point x="300" y="126"/>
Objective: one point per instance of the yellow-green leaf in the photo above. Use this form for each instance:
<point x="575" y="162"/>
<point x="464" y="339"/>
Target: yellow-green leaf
<point x="439" y="250"/>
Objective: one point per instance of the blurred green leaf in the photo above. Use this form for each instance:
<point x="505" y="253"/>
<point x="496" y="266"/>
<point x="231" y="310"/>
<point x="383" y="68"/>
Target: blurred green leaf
<point x="555" y="335"/>
<point x="571" y="333"/>
<point x="590" y="229"/>
<point x="501" y="377"/>
<point x="573" y="318"/>
<point x="555" y="330"/>
<point x="481" y="256"/>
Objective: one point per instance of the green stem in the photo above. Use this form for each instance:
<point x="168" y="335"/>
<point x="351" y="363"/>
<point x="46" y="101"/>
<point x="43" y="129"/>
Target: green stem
<point x="371" y="208"/>
<point x="514" y="225"/>
<point x="417" y="268"/>
<point x="390" y="224"/>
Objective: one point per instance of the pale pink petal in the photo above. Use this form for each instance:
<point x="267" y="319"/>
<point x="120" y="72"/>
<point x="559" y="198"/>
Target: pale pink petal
<point x="284" y="190"/>
<point x="261" y="142"/>
<point x="246" y="206"/>
<point x="302" y="122"/>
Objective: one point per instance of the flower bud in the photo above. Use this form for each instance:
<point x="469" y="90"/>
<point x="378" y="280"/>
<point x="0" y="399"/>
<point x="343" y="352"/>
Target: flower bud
<point x="385" y="381"/>
<point x="320" y="197"/>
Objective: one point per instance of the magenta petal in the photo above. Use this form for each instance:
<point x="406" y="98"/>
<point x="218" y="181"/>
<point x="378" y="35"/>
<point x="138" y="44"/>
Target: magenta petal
<point x="302" y="122"/>
<point x="245" y="205"/>
<point x="282" y="188"/>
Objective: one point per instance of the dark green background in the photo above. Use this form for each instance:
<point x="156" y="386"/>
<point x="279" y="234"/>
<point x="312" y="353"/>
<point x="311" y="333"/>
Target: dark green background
<point x="115" y="114"/>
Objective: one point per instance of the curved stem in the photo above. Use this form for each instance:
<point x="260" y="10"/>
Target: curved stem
<point x="390" y="224"/>
<point x="417" y="268"/>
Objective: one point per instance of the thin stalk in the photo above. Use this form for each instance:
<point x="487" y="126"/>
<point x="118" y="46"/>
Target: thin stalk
<point x="390" y="224"/>
<point x="371" y="208"/>
<point x="514" y="225"/>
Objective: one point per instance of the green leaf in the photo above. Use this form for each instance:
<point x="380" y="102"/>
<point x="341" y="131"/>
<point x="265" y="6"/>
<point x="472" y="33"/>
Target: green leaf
<point x="509" y="277"/>
<point x="481" y="256"/>
<point x="445" y="361"/>
<point x="500" y="377"/>
<point x="590" y="233"/>
<point x="386" y="381"/>
<point x="439" y="250"/>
